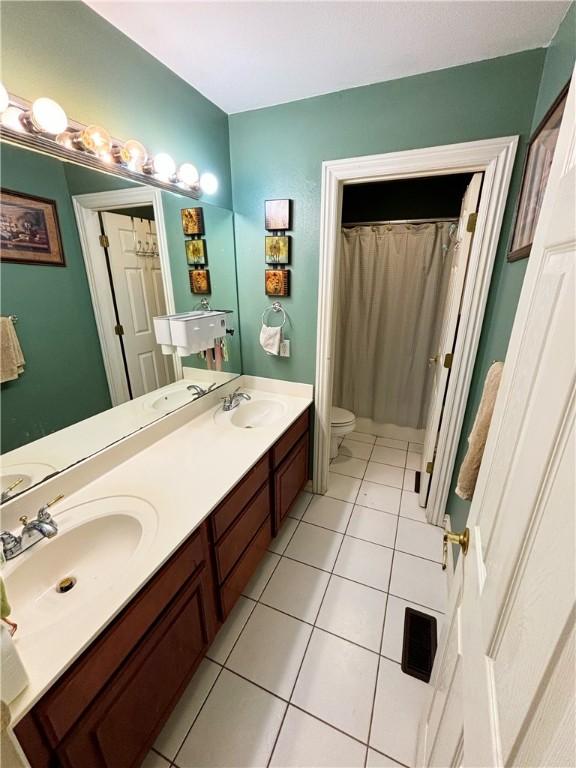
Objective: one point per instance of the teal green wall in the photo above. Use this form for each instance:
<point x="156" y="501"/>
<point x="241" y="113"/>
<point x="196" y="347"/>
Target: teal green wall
<point x="278" y="152"/>
<point x="219" y="228"/>
<point x="64" y="379"/>
<point x="68" y="52"/>
<point x="558" y="65"/>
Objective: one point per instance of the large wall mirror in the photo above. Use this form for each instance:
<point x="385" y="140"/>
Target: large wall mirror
<point x="82" y="310"/>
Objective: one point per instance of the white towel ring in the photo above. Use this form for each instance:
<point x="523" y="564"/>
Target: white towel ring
<point x="275" y="307"/>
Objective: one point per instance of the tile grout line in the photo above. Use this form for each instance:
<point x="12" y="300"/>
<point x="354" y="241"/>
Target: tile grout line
<point x="382" y="634"/>
<point x="310" y="638"/>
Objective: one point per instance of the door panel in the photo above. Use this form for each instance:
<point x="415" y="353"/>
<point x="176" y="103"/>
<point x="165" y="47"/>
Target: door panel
<point x="139" y="291"/>
<point x="447" y="336"/>
<point x="518" y="607"/>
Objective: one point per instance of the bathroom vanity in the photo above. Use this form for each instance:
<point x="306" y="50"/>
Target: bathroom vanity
<point x="101" y="699"/>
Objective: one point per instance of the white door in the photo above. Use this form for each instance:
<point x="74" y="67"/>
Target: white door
<point x="137" y="301"/>
<point x="504" y="677"/>
<point x="447" y="334"/>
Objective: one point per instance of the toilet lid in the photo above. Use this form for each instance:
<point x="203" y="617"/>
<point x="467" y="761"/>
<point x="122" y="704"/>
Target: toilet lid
<point x="341" y="416"/>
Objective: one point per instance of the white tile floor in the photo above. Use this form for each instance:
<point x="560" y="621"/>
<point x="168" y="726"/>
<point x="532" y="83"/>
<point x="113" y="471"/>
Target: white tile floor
<point x="305" y="671"/>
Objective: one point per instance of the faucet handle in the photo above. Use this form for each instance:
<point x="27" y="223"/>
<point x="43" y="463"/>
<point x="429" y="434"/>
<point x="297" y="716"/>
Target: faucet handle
<point x="23" y="519"/>
<point x="43" y="513"/>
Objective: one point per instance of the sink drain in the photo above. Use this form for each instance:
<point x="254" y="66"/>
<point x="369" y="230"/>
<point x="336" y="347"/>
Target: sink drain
<point x="65" y="585"/>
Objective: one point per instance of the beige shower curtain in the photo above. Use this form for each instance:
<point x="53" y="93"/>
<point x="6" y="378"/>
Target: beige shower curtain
<point x="393" y="281"/>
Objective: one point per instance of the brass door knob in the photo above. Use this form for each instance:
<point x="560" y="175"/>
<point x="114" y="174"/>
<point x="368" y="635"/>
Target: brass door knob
<point x="463" y="539"/>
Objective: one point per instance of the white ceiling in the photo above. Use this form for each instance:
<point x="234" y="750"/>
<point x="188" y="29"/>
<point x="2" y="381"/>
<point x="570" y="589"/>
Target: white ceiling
<point x="245" y="55"/>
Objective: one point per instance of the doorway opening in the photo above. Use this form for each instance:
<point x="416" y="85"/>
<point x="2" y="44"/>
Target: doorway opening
<point x="485" y="168"/>
<point x="127" y="263"/>
<point x="403" y="257"/>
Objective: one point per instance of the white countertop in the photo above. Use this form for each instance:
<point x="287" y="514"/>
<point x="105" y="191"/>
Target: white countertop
<point x="184" y="476"/>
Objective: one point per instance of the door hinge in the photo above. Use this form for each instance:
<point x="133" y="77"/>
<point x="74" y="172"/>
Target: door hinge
<point x="471" y="223"/>
<point x="119" y="330"/>
<point x="429" y="467"/>
<point x="448" y="360"/>
<point x="104" y="242"/>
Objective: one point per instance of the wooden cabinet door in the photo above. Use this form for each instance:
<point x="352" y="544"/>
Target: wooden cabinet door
<point x="289" y="479"/>
<point x="119" y="728"/>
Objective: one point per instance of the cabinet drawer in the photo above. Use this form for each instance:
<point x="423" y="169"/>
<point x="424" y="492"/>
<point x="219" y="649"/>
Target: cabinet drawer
<point x="224" y="515"/>
<point x="239" y="536"/>
<point x="61" y="707"/>
<point x="290" y="438"/>
<point x="289" y="479"/>
<point x="118" y="729"/>
<point x="232" y="588"/>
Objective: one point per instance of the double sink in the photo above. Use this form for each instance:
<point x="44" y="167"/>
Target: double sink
<point x="98" y="543"/>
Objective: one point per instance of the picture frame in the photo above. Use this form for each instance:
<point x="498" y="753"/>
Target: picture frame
<point x="277" y="215"/>
<point x="277" y="282"/>
<point x="277" y="249"/>
<point x="539" y="157"/>
<point x="196" y="252"/>
<point x="200" y="281"/>
<point x="192" y="221"/>
<point x="29" y="230"/>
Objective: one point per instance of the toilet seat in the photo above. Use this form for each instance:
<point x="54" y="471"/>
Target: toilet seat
<point x="341" y="417"/>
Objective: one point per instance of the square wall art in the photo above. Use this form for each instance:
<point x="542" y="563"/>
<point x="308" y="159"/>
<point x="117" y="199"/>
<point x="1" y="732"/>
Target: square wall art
<point x="277" y="282"/>
<point x="277" y="215"/>
<point x="277" y="249"/>
<point x="200" y="281"/>
<point x="196" y="252"/>
<point x="192" y="221"/>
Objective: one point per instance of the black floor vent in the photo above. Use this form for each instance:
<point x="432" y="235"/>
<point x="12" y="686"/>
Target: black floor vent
<point x="419" y="647"/>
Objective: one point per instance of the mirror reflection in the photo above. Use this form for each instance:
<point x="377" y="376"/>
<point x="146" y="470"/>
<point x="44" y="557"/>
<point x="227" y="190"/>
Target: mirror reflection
<point x="88" y="260"/>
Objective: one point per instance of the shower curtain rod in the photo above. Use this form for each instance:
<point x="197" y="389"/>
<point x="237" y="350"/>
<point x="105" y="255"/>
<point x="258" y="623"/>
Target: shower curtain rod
<point x="395" y="221"/>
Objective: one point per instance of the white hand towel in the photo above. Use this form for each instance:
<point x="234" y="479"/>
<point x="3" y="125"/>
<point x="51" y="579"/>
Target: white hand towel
<point x="270" y="339"/>
<point x="11" y="357"/>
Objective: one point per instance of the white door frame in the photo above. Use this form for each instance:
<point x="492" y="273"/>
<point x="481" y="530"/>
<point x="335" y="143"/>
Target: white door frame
<point x="86" y="208"/>
<point x="493" y="157"/>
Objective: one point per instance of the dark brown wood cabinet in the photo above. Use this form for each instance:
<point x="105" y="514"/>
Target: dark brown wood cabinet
<point x="108" y="708"/>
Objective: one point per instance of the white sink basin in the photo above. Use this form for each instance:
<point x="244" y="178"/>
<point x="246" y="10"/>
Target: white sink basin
<point x="97" y="545"/>
<point x="251" y="414"/>
<point x="172" y="400"/>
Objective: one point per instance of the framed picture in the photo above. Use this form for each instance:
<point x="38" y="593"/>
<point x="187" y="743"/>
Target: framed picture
<point x="199" y="281"/>
<point x="277" y="249"/>
<point x="536" y="169"/>
<point x="192" y="221"/>
<point x="196" y="252"/>
<point x="277" y="282"/>
<point x="29" y="230"/>
<point x="277" y="215"/>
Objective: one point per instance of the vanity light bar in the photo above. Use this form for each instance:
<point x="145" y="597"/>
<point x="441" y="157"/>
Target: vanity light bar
<point x="43" y="125"/>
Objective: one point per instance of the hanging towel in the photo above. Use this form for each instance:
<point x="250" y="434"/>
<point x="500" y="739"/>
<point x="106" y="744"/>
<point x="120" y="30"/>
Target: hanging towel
<point x="11" y="357"/>
<point x="270" y="339"/>
<point x="477" y="440"/>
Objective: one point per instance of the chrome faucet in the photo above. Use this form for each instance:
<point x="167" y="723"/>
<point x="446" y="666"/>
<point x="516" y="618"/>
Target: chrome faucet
<point x="199" y="391"/>
<point x="43" y="527"/>
<point x="233" y="400"/>
<point x="7" y="492"/>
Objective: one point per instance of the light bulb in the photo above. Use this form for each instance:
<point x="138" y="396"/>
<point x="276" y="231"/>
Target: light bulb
<point x="208" y="183"/>
<point x="164" y="166"/>
<point x="95" y="139"/>
<point x="12" y="118"/>
<point x="137" y="154"/>
<point x="46" y="116"/>
<point x="188" y="174"/>
<point x="65" y="139"/>
<point x="4" y="98"/>
<point x="120" y="155"/>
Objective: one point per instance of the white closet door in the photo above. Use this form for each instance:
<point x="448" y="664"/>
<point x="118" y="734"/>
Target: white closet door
<point x="136" y="303"/>
<point x="447" y="335"/>
<point x="504" y="684"/>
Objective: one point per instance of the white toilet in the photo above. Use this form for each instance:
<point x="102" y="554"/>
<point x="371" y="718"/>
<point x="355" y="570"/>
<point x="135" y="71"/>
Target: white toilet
<point x="342" y="423"/>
